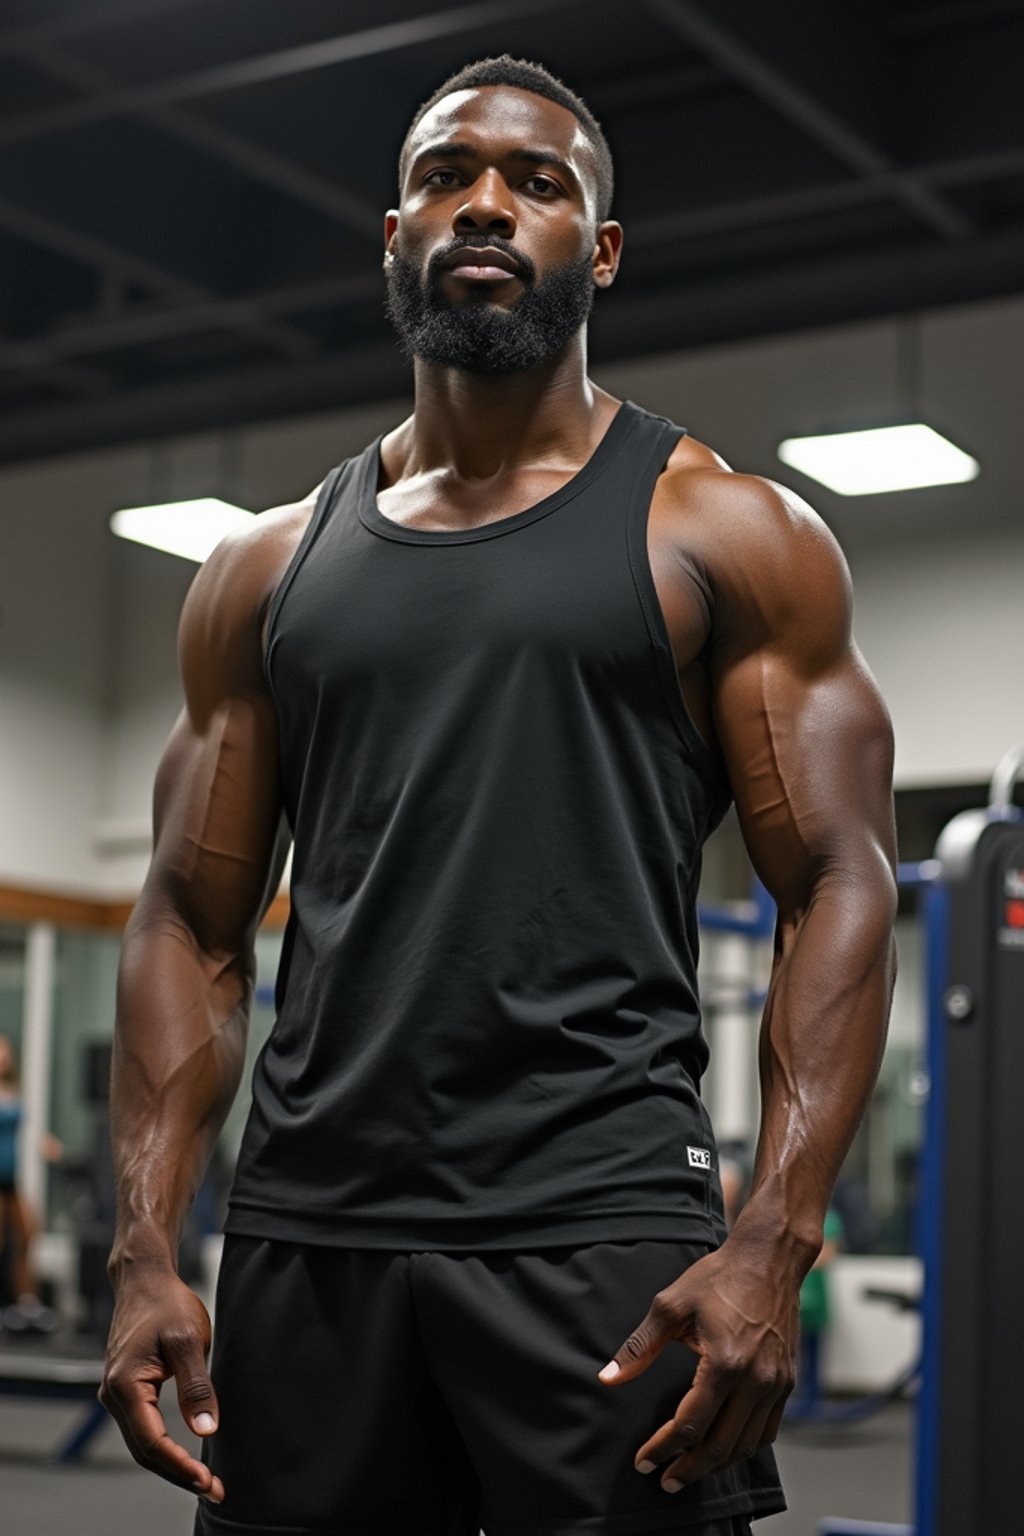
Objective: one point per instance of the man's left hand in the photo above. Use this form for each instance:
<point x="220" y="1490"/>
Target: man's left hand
<point x="742" y="1320"/>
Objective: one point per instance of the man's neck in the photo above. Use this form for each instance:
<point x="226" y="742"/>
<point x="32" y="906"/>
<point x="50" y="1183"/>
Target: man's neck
<point x="483" y="425"/>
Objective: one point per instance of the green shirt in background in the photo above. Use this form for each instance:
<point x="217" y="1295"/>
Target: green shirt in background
<point x="814" y="1309"/>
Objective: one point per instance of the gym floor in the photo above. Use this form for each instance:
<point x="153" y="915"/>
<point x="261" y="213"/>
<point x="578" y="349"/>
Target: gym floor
<point x="863" y="1472"/>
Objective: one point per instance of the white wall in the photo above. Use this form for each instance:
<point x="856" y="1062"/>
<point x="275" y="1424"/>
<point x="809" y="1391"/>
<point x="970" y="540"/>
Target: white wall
<point x="275" y="463"/>
<point x="52" y="633"/>
<point x="941" y="624"/>
<point x="88" y="667"/>
<point x="143" y="699"/>
<point x="869" y="1343"/>
<point x="88" y="678"/>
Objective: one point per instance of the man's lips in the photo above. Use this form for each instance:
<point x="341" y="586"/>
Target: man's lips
<point x="481" y="264"/>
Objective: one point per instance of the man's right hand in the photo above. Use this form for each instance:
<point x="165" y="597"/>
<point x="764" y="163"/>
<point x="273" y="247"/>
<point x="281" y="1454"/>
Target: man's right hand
<point x="161" y="1329"/>
<point x="185" y="984"/>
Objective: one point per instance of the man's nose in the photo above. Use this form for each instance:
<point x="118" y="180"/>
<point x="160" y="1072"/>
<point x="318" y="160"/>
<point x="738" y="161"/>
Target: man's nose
<point x="487" y="207"/>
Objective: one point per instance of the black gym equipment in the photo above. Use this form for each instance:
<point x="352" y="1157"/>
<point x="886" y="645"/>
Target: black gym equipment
<point x="974" y="1358"/>
<point x="971" y="1234"/>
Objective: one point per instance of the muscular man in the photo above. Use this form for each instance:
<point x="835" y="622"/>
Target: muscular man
<point x="498" y="681"/>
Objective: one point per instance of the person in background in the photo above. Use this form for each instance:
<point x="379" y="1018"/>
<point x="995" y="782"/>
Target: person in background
<point x="733" y="1177"/>
<point x="17" y="1220"/>
<point x="814" y="1319"/>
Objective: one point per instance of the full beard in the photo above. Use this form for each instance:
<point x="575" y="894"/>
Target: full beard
<point x="479" y="336"/>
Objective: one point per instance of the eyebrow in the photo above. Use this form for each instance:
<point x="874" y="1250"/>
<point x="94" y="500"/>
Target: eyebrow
<point x="458" y="151"/>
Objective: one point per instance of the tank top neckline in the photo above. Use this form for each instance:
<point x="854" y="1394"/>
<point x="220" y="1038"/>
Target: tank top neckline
<point x="373" y="518"/>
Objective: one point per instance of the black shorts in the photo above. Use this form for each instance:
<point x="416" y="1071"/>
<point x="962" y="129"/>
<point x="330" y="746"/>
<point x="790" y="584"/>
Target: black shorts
<point x="366" y="1392"/>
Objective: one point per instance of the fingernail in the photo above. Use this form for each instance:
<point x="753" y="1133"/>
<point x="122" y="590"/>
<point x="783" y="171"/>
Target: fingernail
<point x="610" y="1371"/>
<point x="671" y="1486"/>
<point x="645" y="1466"/>
<point x="204" y="1423"/>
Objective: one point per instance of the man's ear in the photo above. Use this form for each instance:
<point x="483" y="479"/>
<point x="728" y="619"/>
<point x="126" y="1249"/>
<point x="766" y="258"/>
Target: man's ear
<point x="607" y="252"/>
<point x="390" y="230"/>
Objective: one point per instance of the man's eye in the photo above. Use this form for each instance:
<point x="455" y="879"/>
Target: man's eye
<point x="542" y="184"/>
<point x="436" y="178"/>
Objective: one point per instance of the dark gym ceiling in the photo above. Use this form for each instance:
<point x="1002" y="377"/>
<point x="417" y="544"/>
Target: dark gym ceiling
<point x="191" y="191"/>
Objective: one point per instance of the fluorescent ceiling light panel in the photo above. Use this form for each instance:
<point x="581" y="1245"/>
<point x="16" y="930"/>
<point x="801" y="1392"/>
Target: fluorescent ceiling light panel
<point x="192" y="529"/>
<point x="881" y="459"/>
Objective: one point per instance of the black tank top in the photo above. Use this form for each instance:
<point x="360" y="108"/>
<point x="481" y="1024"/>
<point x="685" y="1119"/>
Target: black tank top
<point x="488" y="1032"/>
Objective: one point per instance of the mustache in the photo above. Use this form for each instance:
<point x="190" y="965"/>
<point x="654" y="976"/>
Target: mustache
<point x="527" y="271"/>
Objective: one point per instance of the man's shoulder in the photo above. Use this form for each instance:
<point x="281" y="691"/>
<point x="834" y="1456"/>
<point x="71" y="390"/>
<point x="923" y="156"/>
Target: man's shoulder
<point x="272" y="536"/>
<point x="229" y="598"/>
<point x="740" y="526"/>
<point x="698" y="481"/>
<point x="249" y="559"/>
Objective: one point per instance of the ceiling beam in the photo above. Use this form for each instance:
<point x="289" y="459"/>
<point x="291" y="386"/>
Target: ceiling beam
<point x="343" y="48"/>
<point x="51" y="235"/>
<point x="756" y="212"/>
<point x="773" y="86"/>
<point x="973" y="170"/>
<point x="193" y="312"/>
<point x="209" y="402"/>
<point x="89" y="251"/>
<point x="682" y="80"/>
<point x="317" y="192"/>
<point x="75" y="378"/>
<point x="140" y="326"/>
<point x="286" y="176"/>
<point x="79" y="23"/>
<point x="822" y="292"/>
<point x="808" y="202"/>
<point x="952" y="17"/>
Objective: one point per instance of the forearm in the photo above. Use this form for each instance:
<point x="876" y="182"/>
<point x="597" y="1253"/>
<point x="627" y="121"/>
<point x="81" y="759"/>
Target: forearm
<point x="179" y="1047"/>
<point x="821" y="1047"/>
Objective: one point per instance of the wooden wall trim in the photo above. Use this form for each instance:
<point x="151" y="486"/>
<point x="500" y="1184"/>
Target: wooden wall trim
<point x="277" y="912"/>
<point x="28" y="906"/>
<point x="20" y="905"/>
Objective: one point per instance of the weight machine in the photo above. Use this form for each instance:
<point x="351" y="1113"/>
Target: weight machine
<point x="970" y="1233"/>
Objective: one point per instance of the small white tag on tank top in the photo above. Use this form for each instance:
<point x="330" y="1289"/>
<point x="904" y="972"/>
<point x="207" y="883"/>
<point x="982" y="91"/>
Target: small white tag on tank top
<point x="699" y="1157"/>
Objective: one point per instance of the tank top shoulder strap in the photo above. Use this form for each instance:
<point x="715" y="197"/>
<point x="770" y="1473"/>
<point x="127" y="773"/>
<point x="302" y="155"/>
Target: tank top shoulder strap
<point x="655" y="439"/>
<point x="652" y="439"/>
<point x="644" y="446"/>
<point x="325" y="502"/>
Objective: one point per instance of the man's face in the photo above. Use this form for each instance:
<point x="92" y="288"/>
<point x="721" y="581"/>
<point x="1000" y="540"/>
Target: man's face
<point x="494" y="254"/>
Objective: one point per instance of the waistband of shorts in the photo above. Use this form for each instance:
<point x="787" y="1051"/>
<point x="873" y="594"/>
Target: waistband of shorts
<point x="467" y="1235"/>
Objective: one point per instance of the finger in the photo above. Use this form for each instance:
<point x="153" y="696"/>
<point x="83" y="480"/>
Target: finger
<point x="689" y="1424"/>
<point x="172" y="1462"/>
<point x="773" y="1423"/>
<point x="734" y="1435"/>
<point x="751" y="1437"/>
<point x="196" y="1397"/>
<point x="644" y="1344"/>
<point x="146" y="1435"/>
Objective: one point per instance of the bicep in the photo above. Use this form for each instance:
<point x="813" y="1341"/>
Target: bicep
<point x="217" y="810"/>
<point x="806" y="739"/>
<point x="217" y="822"/>
<point x="809" y="761"/>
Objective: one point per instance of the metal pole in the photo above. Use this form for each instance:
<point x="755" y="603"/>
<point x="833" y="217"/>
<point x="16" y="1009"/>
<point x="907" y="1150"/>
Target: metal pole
<point x="1008" y="771"/>
<point x="734" y="1048"/>
<point x="36" y="1059"/>
<point x="936" y="915"/>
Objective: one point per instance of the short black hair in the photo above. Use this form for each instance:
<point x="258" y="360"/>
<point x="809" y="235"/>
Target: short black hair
<point x="527" y="76"/>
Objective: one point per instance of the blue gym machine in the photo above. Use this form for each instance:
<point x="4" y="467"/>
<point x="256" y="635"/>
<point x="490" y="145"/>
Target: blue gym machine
<point x="970" y="1232"/>
<point x="970" y="1235"/>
